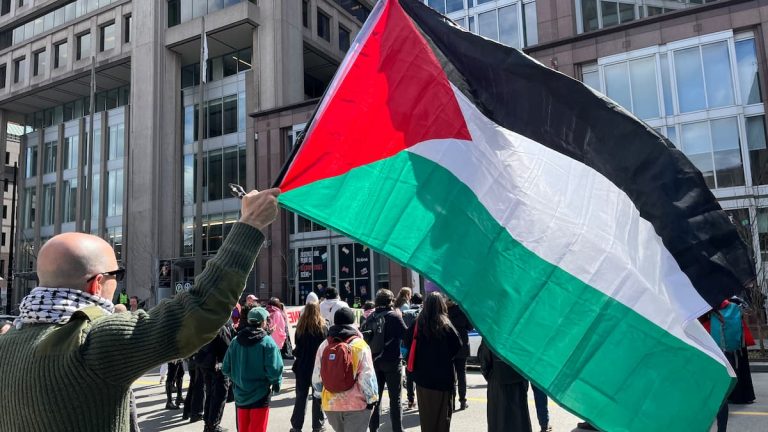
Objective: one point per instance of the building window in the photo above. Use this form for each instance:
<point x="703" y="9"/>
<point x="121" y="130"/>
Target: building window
<point x="68" y="200"/>
<point x="5" y="7"/>
<point x="60" y="54"/>
<point x="31" y="164"/>
<point x="7" y="160"/>
<point x="2" y="266"/>
<point x="70" y="153"/>
<point x="343" y="39"/>
<point x="107" y="37"/>
<point x="115" y="193"/>
<point x="305" y="13"/>
<point x="19" y="69"/>
<point x="40" y="62"/>
<point x="174" y="13"/>
<point x="3" y="239"/>
<point x="49" y="204"/>
<point x="21" y="3"/>
<point x="49" y="157"/>
<point x="5" y="212"/>
<point x="127" y="29"/>
<point x="116" y="141"/>
<point x="2" y="76"/>
<point x="115" y="239"/>
<point x="323" y="25"/>
<point x="214" y="118"/>
<point x="30" y="204"/>
<point x="697" y="97"/>
<point x="511" y="23"/>
<point x="596" y="14"/>
<point x="83" y="46"/>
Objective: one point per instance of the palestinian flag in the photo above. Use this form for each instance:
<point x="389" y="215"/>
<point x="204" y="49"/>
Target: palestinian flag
<point x="582" y="244"/>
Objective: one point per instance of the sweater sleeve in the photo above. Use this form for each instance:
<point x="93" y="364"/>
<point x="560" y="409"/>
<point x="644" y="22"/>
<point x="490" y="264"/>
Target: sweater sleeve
<point x="366" y="376"/>
<point x="121" y="347"/>
<point x="273" y="365"/>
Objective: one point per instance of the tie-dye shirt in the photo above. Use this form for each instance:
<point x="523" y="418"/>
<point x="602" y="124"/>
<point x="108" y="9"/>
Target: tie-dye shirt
<point x="364" y="392"/>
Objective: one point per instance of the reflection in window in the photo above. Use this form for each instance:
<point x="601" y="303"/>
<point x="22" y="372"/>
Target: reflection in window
<point x="30" y="204"/>
<point x="49" y="157"/>
<point x="758" y="154"/>
<point x="717" y="74"/>
<point x="115" y="193"/>
<point x="749" y="77"/>
<point x="31" y="162"/>
<point x="69" y="154"/>
<point x="116" y="141"/>
<point x="68" y="200"/>
<point x="690" y="80"/>
<point x="48" y="204"/>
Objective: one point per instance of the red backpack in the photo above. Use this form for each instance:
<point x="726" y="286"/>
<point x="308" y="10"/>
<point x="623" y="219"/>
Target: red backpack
<point x="336" y="369"/>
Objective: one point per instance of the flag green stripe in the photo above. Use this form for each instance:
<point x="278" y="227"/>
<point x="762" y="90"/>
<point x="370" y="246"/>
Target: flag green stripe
<point x="594" y="355"/>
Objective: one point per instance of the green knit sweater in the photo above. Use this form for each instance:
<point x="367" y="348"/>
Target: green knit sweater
<point x="76" y="377"/>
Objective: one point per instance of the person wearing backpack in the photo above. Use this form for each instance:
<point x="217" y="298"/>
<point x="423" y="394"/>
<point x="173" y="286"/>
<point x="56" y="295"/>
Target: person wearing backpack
<point x="343" y="375"/>
<point x="384" y="331"/>
<point x="254" y="364"/>
<point x="311" y="331"/>
<point x="433" y="343"/>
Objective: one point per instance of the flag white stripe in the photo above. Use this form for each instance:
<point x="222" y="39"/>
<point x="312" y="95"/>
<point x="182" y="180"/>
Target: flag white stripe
<point x="573" y="217"/>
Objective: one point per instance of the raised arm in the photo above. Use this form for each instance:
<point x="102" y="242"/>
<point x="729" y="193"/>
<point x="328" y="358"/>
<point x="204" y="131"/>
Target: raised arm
<point x="122" y="347"/>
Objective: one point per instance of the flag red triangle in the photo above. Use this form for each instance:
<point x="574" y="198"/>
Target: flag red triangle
<point x="393" y="95"/>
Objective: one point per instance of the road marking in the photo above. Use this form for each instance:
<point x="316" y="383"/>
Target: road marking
<point x="750" y="413"/>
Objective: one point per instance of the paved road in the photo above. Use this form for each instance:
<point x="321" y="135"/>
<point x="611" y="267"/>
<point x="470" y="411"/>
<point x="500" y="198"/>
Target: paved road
<point x="154" y="417"/>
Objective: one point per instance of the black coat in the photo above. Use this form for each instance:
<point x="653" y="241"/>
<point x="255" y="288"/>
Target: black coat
<point x="305" y="352"/>
<point x="463" y="326"/>
<point x="216" y="349"/>
<point x="394" y="330"/>
<point x="507" y="394"/>
<point x="434" y="358"/>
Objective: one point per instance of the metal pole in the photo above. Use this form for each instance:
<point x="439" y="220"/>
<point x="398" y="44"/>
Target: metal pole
<point x="9" y="278"/>
<point x="199" y="160"/>
<point x="88" y="190"/>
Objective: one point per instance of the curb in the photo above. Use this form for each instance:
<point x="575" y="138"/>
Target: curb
<point x="758" y="367"/>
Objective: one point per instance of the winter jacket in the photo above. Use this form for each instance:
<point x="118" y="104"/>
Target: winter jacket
<point x="365" y="391"/>
<point x="463" y="326"/>
<point x="305" y="352"/>
<point x="213" y="353"/>
<point x="277" y="326"/>
<point x="394" y="330"/>
<point x="495" y="369"/>
<point x="254" y="364"/>
<point x="329" y="307"/>
<point x="434" y="358"/>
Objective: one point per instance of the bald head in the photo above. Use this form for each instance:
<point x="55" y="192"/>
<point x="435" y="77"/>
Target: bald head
<point x="68" y="260"/>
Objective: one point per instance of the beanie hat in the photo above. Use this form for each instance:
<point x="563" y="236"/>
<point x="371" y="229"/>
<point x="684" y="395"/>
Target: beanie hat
<point x="257" y="315"/>
<point x="344" y="316"/>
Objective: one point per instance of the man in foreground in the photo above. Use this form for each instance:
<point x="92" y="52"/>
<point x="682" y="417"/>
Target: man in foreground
<point x="75" y="362"/>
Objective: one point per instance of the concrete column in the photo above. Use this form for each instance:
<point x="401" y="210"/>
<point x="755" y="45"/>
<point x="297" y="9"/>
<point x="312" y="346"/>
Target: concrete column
<point x="150" y="99"/>
<point x="278" y="54"/>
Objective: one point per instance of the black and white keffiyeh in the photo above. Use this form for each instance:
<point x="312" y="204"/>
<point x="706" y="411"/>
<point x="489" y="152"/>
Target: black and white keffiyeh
<point x="56" y="305"/>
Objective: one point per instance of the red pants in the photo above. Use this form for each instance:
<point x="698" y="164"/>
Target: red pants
<point x="252" y="419"/>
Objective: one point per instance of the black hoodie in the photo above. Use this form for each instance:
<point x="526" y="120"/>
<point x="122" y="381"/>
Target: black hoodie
<point x="249" y="335"/>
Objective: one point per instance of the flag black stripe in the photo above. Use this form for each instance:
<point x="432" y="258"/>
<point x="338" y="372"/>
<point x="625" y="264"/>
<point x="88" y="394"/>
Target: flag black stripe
<point x="561" y="113"/>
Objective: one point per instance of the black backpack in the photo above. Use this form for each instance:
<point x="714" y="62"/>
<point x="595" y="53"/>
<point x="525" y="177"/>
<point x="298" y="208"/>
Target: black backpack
<point x="373" y="332"/>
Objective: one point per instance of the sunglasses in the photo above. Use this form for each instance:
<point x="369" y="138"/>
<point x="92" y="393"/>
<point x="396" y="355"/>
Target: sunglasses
<point x="119" y="274"/>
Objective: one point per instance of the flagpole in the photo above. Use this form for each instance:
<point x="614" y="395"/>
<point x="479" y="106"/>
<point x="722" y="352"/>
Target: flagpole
<point x="199" y="154"/>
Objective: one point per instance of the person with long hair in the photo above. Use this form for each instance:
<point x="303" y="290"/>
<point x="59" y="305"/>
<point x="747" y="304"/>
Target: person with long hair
<point x="276" y="326"/>
<point x="433" y="343"/>
<point x="311" y="331"/>
<point x="403" y="300"/>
